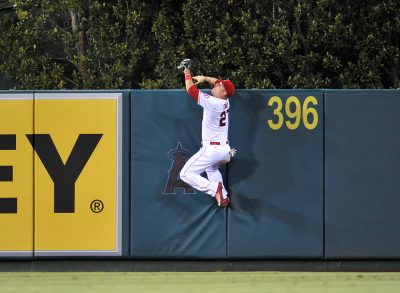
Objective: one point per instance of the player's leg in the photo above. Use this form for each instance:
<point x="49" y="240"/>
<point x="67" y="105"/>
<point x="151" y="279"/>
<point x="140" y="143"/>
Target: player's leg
<point x="219" y="154"/>
<point x="196" y="165"/>
<point x="214" y="175"/>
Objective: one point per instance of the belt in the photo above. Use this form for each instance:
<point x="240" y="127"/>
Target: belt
<point x="217" y="142"/>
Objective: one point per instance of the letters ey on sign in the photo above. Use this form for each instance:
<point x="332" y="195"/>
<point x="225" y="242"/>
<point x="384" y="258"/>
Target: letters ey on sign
<point x="60" y="172"/>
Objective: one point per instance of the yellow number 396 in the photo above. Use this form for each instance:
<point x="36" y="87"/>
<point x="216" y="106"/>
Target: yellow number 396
<point x="308" y="113"/>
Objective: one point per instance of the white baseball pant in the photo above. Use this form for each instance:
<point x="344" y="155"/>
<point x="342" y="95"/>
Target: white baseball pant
<point x="207" y="159"/>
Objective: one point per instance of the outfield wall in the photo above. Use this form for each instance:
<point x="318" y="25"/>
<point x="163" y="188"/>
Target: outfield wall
<point x="362" y="174"/>
<point x="95" y="174"/>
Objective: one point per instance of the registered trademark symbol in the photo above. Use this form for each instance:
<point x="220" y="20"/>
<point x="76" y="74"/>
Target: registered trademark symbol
<point x="97" y="206"/>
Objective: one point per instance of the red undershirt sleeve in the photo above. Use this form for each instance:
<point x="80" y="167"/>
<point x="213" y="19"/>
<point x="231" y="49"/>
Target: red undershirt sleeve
<point x="194" y="93"/>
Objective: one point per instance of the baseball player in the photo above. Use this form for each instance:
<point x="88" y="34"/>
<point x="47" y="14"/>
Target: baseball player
<point x="215" y="149"/>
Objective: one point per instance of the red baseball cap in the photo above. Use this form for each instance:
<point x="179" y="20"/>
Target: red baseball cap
<point x="228" y="86"/>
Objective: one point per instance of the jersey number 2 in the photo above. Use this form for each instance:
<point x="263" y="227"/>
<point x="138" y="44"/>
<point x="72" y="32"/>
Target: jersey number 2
<point x="223" y="118"/>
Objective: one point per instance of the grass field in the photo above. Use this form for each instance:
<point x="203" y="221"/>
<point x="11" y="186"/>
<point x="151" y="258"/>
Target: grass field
<point x="309" y="282"/>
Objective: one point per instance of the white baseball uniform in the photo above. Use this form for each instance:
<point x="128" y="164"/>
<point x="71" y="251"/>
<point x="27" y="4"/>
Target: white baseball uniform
<point x="215" y="146"/>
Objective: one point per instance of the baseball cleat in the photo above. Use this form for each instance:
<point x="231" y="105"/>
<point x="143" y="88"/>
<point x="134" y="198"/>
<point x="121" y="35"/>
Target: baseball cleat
<point x="218" y="194"/>
<point x="225" y="202"/>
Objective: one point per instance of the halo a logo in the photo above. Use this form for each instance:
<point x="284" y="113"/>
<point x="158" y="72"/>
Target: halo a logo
<point x="179" y="156"/>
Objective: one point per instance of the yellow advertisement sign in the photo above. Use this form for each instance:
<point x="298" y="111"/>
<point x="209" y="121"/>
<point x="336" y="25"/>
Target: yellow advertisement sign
<point x="77" y="143"/>
<point x="16" y="175"/>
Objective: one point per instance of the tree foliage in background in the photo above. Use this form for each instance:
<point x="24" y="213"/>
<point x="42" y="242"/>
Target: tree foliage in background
<point x="258" y="44"/>
<point x="75" y="44"/>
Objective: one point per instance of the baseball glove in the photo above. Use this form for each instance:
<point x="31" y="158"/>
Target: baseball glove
<point x="186" y="63"/>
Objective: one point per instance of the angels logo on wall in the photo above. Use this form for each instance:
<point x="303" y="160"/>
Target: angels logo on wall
<point x="179" y="156"/>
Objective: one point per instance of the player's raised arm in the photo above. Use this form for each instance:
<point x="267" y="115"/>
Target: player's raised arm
<point x="188" y="78"/>
<point x="190" y="86"/>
